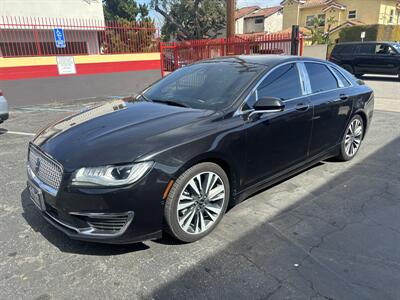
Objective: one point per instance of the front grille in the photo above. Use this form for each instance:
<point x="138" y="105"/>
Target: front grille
<point x="46" y="169"/>
<point x="108" y="224"/>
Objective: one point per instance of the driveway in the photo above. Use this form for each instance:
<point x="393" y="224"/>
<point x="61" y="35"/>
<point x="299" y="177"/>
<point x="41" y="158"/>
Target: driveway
<point x="331" y="232"/>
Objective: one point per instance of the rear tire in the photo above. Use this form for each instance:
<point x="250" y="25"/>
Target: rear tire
<point x="197" y="202"/>
<point x="351" y="141"/>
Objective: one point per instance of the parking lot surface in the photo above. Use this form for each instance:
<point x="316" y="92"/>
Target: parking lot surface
<point x="331" y="232"/>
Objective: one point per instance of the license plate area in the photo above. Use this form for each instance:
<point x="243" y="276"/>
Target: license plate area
<point x="36" y="196"/>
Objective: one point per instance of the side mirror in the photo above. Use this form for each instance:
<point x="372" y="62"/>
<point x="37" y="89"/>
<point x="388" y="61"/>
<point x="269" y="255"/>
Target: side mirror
<point x="268" y="104"/>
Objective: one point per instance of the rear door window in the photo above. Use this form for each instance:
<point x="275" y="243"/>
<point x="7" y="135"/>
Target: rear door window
<point x="321" y="78"/>
<point x="367" y="49"/>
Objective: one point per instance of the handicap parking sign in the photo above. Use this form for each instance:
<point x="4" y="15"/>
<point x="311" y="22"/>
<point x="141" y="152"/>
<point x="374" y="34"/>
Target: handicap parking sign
<point x="59" y="37"/>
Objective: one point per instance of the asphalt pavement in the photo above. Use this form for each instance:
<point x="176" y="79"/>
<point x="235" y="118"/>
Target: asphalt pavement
<point x="331" y="232"/>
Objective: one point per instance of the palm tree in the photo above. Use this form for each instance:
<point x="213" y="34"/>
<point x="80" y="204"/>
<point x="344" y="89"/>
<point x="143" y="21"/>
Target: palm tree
<point x="330" y="21"/>
<point x="317" y="34"/>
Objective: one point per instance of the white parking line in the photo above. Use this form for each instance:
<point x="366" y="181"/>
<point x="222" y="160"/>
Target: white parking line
<point x="4" y="131"/>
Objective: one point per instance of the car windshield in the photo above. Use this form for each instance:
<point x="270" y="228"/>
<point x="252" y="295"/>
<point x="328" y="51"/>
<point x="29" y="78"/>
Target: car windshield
<point x="207" y="85"/>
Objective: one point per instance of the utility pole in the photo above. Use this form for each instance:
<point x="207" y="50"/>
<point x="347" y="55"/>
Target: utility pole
<point x="230" y="18"/>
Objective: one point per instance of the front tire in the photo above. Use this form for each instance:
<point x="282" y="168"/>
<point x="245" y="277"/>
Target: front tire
<point x="352" y="139"/>
<point x="197" y="202"/>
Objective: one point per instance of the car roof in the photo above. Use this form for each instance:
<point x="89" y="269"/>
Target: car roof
<point x="369" y="42"/>
<point x="266" y="59"/>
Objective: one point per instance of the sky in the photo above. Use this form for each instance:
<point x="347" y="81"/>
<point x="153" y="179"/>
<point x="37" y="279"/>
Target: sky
<point x="239" y="4"/>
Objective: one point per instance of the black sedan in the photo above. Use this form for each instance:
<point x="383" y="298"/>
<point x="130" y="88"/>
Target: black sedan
<point x="207" y="136"/>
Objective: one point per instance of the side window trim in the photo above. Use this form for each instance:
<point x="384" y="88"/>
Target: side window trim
<point x="240" y="110"/>
<point x="304" y="78"/>
<point x="344" y="76"/>
<point x="330" y="68"/>
<point x="303" y="75"/>
<point x="339" y="80"/>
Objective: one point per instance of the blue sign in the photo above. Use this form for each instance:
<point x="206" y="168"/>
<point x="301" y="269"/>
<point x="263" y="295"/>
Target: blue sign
<point x="59" y="37"/>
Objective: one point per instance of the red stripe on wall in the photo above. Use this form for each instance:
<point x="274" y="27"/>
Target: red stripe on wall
<point x="13" y="73"/>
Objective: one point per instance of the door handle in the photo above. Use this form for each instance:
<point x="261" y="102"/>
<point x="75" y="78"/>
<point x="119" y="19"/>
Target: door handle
<point x="344" y="97"/>
<point x="302" y="106"/>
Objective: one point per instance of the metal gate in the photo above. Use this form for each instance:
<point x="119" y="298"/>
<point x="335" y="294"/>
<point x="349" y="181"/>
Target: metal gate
<point x="175" y="55"/>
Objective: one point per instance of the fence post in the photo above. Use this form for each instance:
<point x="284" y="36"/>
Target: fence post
<point x="176" y="58"/>
<point x="301" y="44"/>
<point x="36" y="37"/>
<point x="161" y="59"/>
<point x="222" y="42"/>
<point x="294" y="45"/>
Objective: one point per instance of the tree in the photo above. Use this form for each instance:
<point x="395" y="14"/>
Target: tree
<point x="129" y="27"/>
<point x="191" y="19"/>
<point x="317" y="34"/>
<point x="330" y="21"/>
<point x="125" y="11"/>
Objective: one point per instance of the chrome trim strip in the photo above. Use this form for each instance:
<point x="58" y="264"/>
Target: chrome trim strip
<point x="341" y="84"/>
<point x="306" y="79"/>
<point x="240" y="112"/>
<point x="39" y="183"/>
<point x="89" y="231"/>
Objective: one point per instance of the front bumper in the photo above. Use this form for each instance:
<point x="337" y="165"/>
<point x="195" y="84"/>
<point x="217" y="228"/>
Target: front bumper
<point x="108" y="215"/>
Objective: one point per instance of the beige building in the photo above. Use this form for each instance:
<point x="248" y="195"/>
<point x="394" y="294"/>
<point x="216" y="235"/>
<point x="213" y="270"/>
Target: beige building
<point x="344" y="12"/>
<point x="253" y="19"/>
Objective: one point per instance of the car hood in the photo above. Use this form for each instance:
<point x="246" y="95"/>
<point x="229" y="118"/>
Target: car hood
<point x="117" y="132"/>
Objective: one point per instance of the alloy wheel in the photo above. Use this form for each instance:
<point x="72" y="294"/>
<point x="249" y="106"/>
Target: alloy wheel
<point x="200" y="202"/>
<point x="353" y="137"/>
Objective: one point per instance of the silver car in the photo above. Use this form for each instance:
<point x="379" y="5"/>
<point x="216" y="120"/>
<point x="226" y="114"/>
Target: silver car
<point x="3" y="108"/>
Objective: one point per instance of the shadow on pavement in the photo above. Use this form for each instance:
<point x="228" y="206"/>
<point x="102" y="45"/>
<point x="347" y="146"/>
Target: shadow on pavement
<point x="340" y="241"/>
<point x="65" y="244"/>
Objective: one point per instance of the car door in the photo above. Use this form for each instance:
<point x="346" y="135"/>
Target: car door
<point x="386" y="61"/>
<point x="364" y="59"/>
<point x="275" y="141"/>
<point x="331" y="96"/>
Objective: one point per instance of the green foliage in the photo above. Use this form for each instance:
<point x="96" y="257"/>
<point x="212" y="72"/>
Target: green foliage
<point x="191" y="19"/>
<point x="122" y="34"/>
<point x="353" y="34"/>
<point x="317" y="34"/>
<point x="331" y="21"/>
<point x="125" y="11"/>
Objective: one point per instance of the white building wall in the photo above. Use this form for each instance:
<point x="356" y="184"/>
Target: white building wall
<point x="239" y="24"/>
<point x="76" y="9"/>
<point x="274" y="23"/>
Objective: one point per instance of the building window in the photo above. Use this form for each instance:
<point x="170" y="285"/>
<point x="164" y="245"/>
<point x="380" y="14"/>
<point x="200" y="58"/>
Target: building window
<point x="259" y="20"/>
<point x="310" y="21"/>
<point x="321" y="20"/>
<point x="391" y="17"/>
<point x="352" y="14"/>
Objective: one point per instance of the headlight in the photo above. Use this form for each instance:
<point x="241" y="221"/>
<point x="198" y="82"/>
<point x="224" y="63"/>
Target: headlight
<point x="111" y="175"/>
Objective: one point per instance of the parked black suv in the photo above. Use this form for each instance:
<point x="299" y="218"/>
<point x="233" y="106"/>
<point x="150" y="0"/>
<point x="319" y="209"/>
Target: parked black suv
<point x="368" y="57"/>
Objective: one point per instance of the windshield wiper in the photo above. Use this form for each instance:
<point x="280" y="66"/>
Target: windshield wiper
<point x="170" y="102"/>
